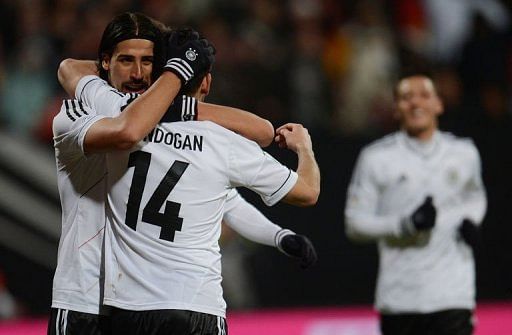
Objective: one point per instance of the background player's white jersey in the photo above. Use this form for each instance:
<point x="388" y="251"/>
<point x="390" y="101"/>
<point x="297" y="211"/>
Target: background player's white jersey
<point x="81" y="183"/>
<point x="166" y="199"/>
<point x="428" y="271"/>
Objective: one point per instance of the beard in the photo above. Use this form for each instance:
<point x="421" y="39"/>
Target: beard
<point x="135" y="86"/>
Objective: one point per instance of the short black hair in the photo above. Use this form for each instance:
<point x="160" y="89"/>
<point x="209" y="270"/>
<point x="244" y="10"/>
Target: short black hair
<point x="416" y="70"/>
<point x="127" y="26"/>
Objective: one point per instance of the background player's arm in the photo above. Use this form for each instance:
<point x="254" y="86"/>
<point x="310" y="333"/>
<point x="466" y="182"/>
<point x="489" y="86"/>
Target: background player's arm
<point x="307" y="188"/>
<point x="72" y="70"/>
<point x="362" y="223"/>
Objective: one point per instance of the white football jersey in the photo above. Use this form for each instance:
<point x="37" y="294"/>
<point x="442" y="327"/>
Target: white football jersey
<point x="425" y="272"/>
<point x="78" y="279"/>
<point x="166" y="200"/>
<point x="82" y="188"/>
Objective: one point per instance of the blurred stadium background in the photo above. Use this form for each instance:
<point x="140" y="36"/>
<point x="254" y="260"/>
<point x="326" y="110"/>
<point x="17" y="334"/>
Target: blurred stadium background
<point x="329" y="64"/>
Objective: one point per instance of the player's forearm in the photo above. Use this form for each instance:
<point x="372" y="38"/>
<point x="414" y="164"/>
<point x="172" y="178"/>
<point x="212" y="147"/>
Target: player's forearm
<point x="136" y="121"/>
<point x="72" y="70"/>
<point x="142" y="115"/>
<point x="307" y="189"/>
<point x="241" y="122"/>
<point x="309" y="173"/>
<point x="361" y="226"/>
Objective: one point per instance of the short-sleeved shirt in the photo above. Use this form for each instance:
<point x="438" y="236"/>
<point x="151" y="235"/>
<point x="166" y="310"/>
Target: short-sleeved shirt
<point x="166" y="200"/>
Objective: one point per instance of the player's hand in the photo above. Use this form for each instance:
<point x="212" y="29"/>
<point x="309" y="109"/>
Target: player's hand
<point x="423" y="218"/>
<point x="470" y="234"/>
<point x="188" y="54"/>
<point x="300" y="247"/>
<point x="293" y="136"/>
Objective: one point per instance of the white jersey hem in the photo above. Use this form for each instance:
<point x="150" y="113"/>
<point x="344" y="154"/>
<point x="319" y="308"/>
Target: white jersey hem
<point x="165" y="305"/>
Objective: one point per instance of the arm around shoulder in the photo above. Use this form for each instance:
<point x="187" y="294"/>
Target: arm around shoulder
<point x="72" y="70"/>
<point x="137" y="120"/>
<point x="241" y="122"/>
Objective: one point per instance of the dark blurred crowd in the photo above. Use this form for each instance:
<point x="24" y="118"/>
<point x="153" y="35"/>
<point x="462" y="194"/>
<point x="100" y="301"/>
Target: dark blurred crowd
<point x="329" y="64"/>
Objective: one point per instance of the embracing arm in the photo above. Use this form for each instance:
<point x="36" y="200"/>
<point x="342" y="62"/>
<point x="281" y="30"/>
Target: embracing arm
<point x="72" y="70"/>
<point x="136" y="121"/>
<point x="128" y="128"/>
<point x="241" y="122"/>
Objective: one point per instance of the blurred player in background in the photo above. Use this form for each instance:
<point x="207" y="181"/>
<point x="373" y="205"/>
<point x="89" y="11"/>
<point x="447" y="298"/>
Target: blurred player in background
<point x="418" y="192"/>
<point x="77" y="287"/>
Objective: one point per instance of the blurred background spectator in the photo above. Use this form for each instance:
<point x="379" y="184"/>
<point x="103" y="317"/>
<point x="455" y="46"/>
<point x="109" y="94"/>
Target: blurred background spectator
<point x="329" y="64"/>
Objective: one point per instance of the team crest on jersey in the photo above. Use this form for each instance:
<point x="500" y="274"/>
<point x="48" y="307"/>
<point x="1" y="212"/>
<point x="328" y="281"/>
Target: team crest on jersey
<point x="191" y="54"/>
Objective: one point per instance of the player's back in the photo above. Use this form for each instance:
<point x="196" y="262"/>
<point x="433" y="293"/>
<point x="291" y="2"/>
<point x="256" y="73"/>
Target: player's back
<point x="166" y="200"/>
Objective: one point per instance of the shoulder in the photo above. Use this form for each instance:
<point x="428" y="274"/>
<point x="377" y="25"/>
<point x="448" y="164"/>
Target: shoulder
<point x="380" y="147"/>
<point x="91" y="86"/>
<point x="87" y="82"/>
<point x="71" y="111"/>
<point x="461" y="145"/>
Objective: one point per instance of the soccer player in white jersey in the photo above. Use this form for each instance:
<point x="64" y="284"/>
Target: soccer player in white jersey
<point x="418" y="192"/>
<point x="166" y="200"/>
<point x="76" y="297"/>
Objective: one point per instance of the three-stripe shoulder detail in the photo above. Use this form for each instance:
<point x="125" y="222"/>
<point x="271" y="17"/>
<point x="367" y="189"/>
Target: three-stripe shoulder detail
<point x="74" y="109"/>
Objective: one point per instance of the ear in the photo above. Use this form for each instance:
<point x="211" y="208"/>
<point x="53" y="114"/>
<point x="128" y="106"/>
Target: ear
<point x="206" y="84"/>
<point x="105" y="63"/>
<point x="439" y="106"/>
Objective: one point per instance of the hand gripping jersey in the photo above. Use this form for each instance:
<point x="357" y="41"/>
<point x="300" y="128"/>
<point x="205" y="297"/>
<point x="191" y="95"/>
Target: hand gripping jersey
<point x="429" y="271"/>
<point x="166" y="199"/>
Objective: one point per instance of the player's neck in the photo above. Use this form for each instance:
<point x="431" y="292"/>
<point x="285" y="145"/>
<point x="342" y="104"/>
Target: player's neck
<point x="199" y="96"/>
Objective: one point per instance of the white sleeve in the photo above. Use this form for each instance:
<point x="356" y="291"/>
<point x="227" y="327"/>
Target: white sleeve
<point x="361" y="218"/>
<point x="255" y="169"/>
<point x="96" y="93"/>
<point x="248" y="221"/>
<point x="69" y="128"/>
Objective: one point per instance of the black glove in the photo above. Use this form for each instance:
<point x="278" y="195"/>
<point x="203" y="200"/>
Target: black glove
<point x="188" y="54"/>
<point x="299" y="246"/>
<point x="423" y="218"/>
<point x="183" y="108"/>
<point x="470" y="234"/>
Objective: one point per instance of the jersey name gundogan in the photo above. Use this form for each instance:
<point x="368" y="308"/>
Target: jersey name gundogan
<point x="176" y="140"/>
